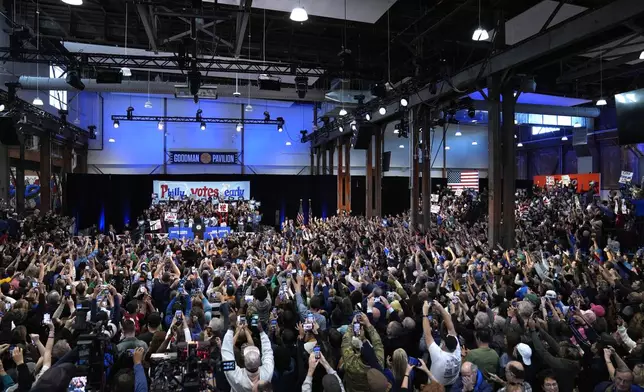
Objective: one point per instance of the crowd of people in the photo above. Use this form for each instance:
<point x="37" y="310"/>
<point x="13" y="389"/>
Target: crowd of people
<point x="339" y="304"/>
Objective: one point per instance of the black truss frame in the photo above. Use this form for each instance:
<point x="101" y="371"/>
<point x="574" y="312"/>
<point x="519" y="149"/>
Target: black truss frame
<point x="208" y="120"/>
<point x="204" y="65"/>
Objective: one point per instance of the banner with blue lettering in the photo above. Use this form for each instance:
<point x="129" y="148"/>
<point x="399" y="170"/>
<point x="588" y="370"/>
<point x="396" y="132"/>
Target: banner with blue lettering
<point x="233" y="190"/>
<point x="186" y="232"/>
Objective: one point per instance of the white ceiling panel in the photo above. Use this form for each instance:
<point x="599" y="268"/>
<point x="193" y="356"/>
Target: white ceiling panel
<point x="366" y="11"/>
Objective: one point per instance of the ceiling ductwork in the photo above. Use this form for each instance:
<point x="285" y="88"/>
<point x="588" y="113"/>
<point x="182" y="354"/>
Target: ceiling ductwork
<point x="165" y="88"/>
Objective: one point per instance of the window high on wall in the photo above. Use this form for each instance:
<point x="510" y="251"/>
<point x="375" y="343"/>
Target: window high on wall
<point x="57" y="98"/>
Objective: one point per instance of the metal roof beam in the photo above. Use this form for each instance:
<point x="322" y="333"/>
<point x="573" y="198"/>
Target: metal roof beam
<point x="242" y="24"/>
<point x="147" y="26"/>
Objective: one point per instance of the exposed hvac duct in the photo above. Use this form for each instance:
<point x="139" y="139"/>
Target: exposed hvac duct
<point x="572" y="111"/>
<point x="141" y="87"/>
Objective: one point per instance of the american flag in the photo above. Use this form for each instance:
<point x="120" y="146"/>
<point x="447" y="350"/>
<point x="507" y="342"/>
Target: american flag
<point x="463" y="179"/>
<point x="300" y="215"/>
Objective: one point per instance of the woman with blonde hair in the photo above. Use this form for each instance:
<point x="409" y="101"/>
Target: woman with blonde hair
<point x="397" y="369"/>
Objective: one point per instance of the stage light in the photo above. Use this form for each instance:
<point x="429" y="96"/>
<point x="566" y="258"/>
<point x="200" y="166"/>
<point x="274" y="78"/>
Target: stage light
<point x="288" y="143"/>
<point x="77" y="121"/>
<point x="340" y="128"/>
<point x="564" y="138"/>
<point x="116" y="123"/>
<point x="458" y="133"/>
<point x="249" y="108"/>
<point x="203" y="126"/>
<point x="642" y="55"/>
<point x="92" y="131"/>
<point x="239" y="127"/>
<point x="401" y="146"/>
<point x="343" y="112"/>
<point x="382" y="110"/>
<point x="480" y="34"/>
<point x="236" y="94"/>
<point x="515" y="136"/>
<point x="396" y="130"/>
<point x="160" y="125"/>
<point x="128" y="112"/>
<point x="471" y="112"/>
<point x="367" y="116"/>
<point x="37" y="102"/>
<point x="404" y="102"/>
<point x="519" y="144"/>
<point x="299" y="14"/>
<point x="577" y="125"/>
<point x="354" y="126"/>
<point x="280" y="124"/>
<point x="475" y="143"/>
<point x="126" y="72"/>
<point x="2" y="107"/>
<point x="601" y="102"/>
<point x="73" y="2"/>
<point x="111" y="140"/>
<point x="447" y="147"/>
<point x="267" y="116"/>
<point x="198" y="116"/>
<point x="148" y="104"/>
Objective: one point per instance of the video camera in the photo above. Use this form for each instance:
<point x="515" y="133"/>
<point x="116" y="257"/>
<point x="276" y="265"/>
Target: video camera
<point x="186" y="368"/>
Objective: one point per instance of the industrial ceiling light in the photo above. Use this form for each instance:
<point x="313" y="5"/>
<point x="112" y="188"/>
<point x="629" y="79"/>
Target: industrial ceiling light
<point x="404" y="102"/>
<point x="280" y="124"/>
<point x="125" y="71"/>
<point x="116" y="123"/>
<point x="203" y="126"/>
<point x="475" y="143"/>
<point x="447" y="147"/>
<point x="73" y="2"/>
<point x="148" y="104"/>
<point x="239" y="127"/>
<point x="2" y="107"/>
<point x="458" y="133"/>
<point x="111" y="140"/>
<point x="382" y="110"/>
<point x="519" y="144"/>
<point x="288" y="143"/>
<point x="642" y="55"/>
<point x="340" y="128"/>
<point x="299" y="14"/>
<point x="248" y="108"/>
<point x="37" y="101"/>
<point x="77" y="121"/>
<point x="564" y="138"/>
<point x="480" y="34"/>
<point x="401" y="146"/>
<point x="577" y="125"/>
<point x="160" y="126"/>
<point x="602" y="102"/>
<point x="367" y="116"/>
<point x="343" y="112"/>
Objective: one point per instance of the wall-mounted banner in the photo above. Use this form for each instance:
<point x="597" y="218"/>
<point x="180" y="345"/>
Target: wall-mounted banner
<point x="204" y="157"/>
<point x="201" y="189"/>
<point x="581" y="181"/>
<point x="187" y="232"/>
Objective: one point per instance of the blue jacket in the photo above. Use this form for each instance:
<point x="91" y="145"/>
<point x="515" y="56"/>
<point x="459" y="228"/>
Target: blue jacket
<point x="481" y="384"/>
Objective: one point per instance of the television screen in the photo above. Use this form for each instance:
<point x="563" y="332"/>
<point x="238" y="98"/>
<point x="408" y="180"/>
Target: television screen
<point x="630" y="117"/>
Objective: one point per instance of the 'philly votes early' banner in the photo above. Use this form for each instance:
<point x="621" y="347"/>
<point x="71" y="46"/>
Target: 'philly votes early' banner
<point x="204" y="157"/>
<point x="201" y="189"/>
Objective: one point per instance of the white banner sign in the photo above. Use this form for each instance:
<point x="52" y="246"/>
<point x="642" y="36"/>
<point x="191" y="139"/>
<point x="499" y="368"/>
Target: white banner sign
<point x="171" y="216"/>
<point x="435" y="209"/>
<point x="434" y="198"/>
<point x="155" y="225"/>
<point x="565" y="180"/>
<point x="459" y="191"/>
<point x="202" y="189"/>
<point x="625" y="177"/>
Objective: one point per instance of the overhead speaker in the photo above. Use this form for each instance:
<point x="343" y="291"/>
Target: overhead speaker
<point x="9" y="134"/>
<point x="386" y="161"/>
<point x="74" y="80"/>
<point x="109" y="77"/>
<point x="362" y="136"/>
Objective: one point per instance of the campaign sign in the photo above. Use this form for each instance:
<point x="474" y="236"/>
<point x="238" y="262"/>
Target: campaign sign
<point x="186" y="232"/>
<point x="201" y="189"/>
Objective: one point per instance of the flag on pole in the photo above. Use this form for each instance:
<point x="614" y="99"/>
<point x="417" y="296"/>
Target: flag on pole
<point x="300" y="215"/>
<point x="310" y="212"/>
<point x="463" y="179"/>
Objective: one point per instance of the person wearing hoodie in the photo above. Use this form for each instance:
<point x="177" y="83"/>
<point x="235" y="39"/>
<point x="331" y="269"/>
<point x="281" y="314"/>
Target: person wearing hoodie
<point x="471" y="380"/>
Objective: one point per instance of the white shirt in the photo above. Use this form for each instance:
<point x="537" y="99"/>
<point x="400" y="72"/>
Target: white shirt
<point x="238" y="378"/>
<point x="445" y="366"/>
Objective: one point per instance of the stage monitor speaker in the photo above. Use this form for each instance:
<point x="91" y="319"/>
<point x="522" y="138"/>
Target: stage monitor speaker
<point x="386" y="161"/>
<point x="362" y="136"/>
<point x="9" y="134"/>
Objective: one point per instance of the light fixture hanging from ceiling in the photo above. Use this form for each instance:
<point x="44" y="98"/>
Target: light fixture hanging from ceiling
<point x="382" y="110"/>
<point x="519" y="144"/>
<point x="288" y="143"/>
<point x="148" y="103"/>
<point x="367" y="116"/>
<point x="160" y="126"/>
<point x="236" y="94"/>
<point x="37" y="101"/>
<point x="601" y="101"/>
<point x="299" y="14"/>
<point x="480" y="34"/>
<point x="249" y="107"/>
<point x="239" y="127"/>
<point x="564" y="138"/>
<point x="73" y="2"/>
<point x="111" y="140"/>
<point x="125" y="70"/>
<point x="447" y="147"/>
<point x="343" y="112"/>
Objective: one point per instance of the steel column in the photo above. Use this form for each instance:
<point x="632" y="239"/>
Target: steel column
<point x="413" y="167"/>
<point x="495" y="158"/>
<point x="347" y="175"/>
<point x="509" y="167"/>
<point x="378" y="174"/>
<point x="324" y="156"/>
<point x="243" y="139"/>
<point x="340" y="176"/>
<point x="427" y="173"/>
<point x="5" y="172"/>
<point x="331" y="151"/>
<point x="20" y="178"/>
<point x="165" y="137"/>
<point x="45" y="172"/>
<point x="369" y="180"/>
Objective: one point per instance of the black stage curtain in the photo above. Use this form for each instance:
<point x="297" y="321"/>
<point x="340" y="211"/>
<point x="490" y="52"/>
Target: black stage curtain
<point x="118" y="199"/>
